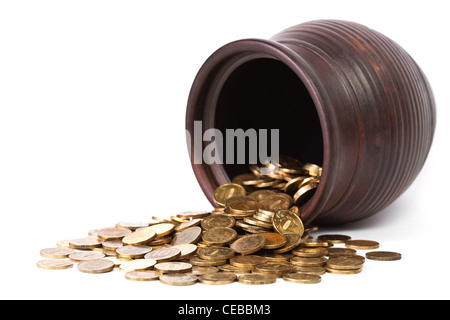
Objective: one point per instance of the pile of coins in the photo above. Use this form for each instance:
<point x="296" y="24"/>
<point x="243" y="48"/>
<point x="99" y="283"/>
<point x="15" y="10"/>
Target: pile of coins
<point x="254" y="236"/>
<point x="297" y="180"/>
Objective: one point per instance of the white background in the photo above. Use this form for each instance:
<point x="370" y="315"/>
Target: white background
<point x="92" y="106"/>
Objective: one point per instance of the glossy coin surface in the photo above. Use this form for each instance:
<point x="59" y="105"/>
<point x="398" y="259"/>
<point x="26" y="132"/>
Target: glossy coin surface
<point x="256" y="279"/>
<point x="56" y="253"/>
<point x="219" y="236"/>
<point x="178" y="279"/>
<point x="96" y="266"/>
<point x="140" y="236"/>
<point x="113" y="233"/>
<point x="217" y="278"/>
<point x="55" y="264"/>
<point x="383" y="256"/>
<point x="164" y="254"/>
<point x="249" y="244"/>
<point x="189" y="235"/>
<point x="302" y="278"/>
<point x="285" y="221"/>
<point x="215" y="253"/>
<point x="218" y="221"/>
<point x="227" y="191"/>
<point x="148" y="275"/>
<point x="173" y="267"/>
<point x="362" y="244"/>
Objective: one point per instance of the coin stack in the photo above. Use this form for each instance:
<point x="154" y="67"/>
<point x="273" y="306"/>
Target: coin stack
<point x="254" y="237"/>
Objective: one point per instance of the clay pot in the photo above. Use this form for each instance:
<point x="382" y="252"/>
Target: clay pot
<point x="342" y="95"/>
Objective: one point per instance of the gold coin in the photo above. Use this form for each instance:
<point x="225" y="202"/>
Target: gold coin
<point x="56" y="253"/>
<point x="148" y="275"/>
<point x="132" y="225"/>
<point x="227" y="191"/>
<point x="275" y="269"/>
<point x="302" y="278"/>
<point x="173" y="267"/>
<point x="96" y="266"/>
<point x="185" y="225"/>
<point x="137" y="265"/>
<point x="88" y="243"/>
<point x="189" y="235"/>
<point x="311" y="262"/>
<point x="219" y="236"/>
<point x="113" y="233"/>
<point x="362" y="244"/>
<point x="133" y="252"/>
<point x="258" y="223"/>
<point x="274" y="203"/>
<point x="259" y="195"/>
<point x="85" y="256"/>
<point x="63" y="244"/>
<point x="193" y="214"/>
<point x="217" y="278"/>
<point x="343" y="271"/>
<point x="334" y="252"/>
<point x="310" y="252"/>
<point x="162" y="229"/>
<point x="334" y="238"/>
<point x="274" y="240"/>
<point x="187" y="250"/>
<point x="314" y="243"/>
<point x="255" y="279"/>
<point x="178" y="279"/>
<point x="294" y="184"/>
<point x="164" y="254"/>
<point x="313" y="169"/>
<point x="112" y="245"/>
<point x="341" y="263"/>
<point x="198" y="270"/>
<point x="248" y="261"/>
<point x="318" y="271"/>
<point x="197" y="261"/>
<point x="249" y="244"/>
<point x="218" y="221"/>
<point x="243" y="208"/>
<point x="383" y="256"/>
<point x="54" y="264"/>
<point x="213" y="253"/>
<point x="160" y="241"/>
<point x="285" y="221"/>
<point x="140" y="236"/>
<point x="305" y="193"/>
<point x="233" y="269"/>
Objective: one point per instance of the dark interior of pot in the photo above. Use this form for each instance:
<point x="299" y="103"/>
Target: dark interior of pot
<point x="266" y="94"/>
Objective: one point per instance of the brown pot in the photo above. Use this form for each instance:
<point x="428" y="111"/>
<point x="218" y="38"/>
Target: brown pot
<point x="342" y="95"/>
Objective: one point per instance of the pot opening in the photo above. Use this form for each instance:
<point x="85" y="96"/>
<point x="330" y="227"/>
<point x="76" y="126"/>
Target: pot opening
<point x="264" y="93"/>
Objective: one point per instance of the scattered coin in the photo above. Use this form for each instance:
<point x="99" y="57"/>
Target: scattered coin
<point x="164" y="254"/>
<point x="285" y="221"/>
<point x="140" y="236"/>
<point x="249" y="244"/>
<point x="133" y="252"/>
<point x="148" y="275"/>
<point x="198" y="270"/>
<point x="212" y="253"/>
<point x="362" y="244"/>
<point x="55" y="264"/>
<point x="178" y="279"/>
<point x="334" y="238"/>
<point x="162" y="229"/>
<point x="88" y="243"/>
<point x="217" y="278"/>
<point x="137" y="265"/>
<point x="56" y="253"/>
<point x="274" y="240"/>
<point x="302" y="278"/>
<point x="113" y="233"/>
<point x="85" y="256"/>
<point x="248" y="261"/>
<point x="218" y="221"/>
<point x="96" y="266"/>
<point x="227" y="191"/>
<point x="189" y="235"/>
<point x="383" y="256"/>
<point x="173" y="267"/>
<point x="219" y="236"/>
<point x="341" y="263"/>
<point x="255" y="279"/>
